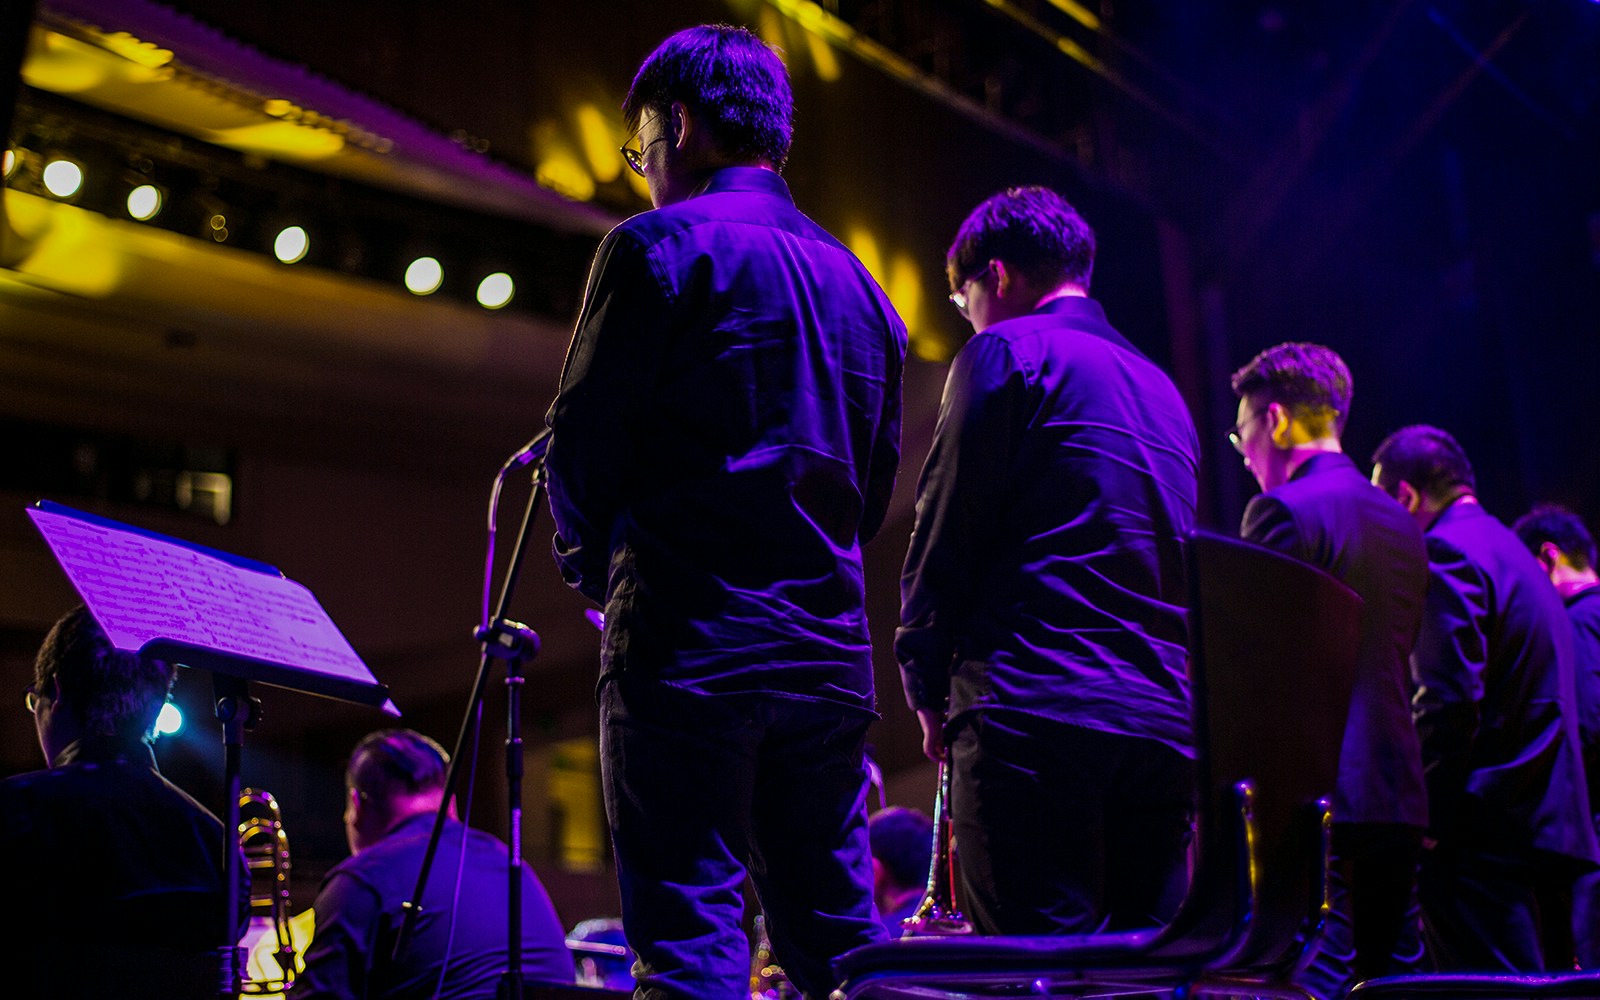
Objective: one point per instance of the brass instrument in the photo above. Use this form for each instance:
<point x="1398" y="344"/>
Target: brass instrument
<point x="937" y="913"/>
<point x="265" y="846"/>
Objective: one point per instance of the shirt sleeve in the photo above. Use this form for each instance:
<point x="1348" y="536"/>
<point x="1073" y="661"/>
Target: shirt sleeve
<point x="610" y="368"/>
<point x="339" y="956"/>
<point x="885" y="463"/>
<point x="1447" y="672"/>
<point x="959" y="500"/>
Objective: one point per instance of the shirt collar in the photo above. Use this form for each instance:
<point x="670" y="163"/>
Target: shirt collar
<point x="104" y="749"/>
<point x="757" y="180"/>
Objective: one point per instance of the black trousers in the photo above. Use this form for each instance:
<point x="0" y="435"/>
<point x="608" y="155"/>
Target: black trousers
<point x="1061" y="829"/>
<point x="1373" y="926"/>
<point x="1482" y="910"/>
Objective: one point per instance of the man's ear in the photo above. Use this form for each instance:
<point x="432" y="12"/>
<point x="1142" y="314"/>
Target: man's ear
<point x="1279" y="422"/>
<point x="679" y="124"/>
<point x="1409" y="496"/>
<point x="1549" y="556"/>
<point x="1005" y="279"/>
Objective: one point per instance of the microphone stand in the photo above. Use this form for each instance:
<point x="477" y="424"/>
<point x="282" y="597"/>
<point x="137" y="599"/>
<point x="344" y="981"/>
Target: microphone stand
<point x="515" y="644"/>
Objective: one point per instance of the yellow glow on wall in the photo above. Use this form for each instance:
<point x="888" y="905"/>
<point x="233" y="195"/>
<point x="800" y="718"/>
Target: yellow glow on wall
<point x="770" y="27"/>
<point x="146" y="54"/>
<point x="561" y="172"/>
<point x="822" y="57"/>
<point x="601" y="139"/>
<point x="905" y="289"/>
<point x="63" y="65"/>
<point x="575" y="797"/>
<point x="282" y="139"/>
<point x="865" y="246"/>
<point x="65" y="248"/>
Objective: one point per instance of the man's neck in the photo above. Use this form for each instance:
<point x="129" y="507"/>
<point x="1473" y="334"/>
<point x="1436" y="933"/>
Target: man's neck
<point x="1066" y="290"/>
<point x="1304" y="451"/>
<point x="1570" y="581"/>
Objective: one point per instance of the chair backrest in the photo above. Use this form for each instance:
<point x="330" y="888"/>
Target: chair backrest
<point x="1273" y="646"/>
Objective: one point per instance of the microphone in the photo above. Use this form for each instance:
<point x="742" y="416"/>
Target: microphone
<point x="533" y="451"/>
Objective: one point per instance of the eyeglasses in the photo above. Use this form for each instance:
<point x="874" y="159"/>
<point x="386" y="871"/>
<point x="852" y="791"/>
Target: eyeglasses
<point x="1235" y="432"/>
<point x="635" y="157"/>
<point x="958" y="298"/>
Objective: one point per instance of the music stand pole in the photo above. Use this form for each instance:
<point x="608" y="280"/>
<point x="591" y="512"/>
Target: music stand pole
<point x="237" y="711"/>
<point x="516" y="644"/>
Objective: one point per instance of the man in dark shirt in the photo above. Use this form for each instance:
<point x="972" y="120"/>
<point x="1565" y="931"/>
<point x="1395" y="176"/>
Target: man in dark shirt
<point x="1494" y="707"/>
<point x="1559" y="540"/>
<point x="395" y="784"/>
<point x="1316" y="505"/>
<point x="1042" y="605"/>
<point x="725" y="439"/>
<point x="116" y="870"/>
<point x="902" y="847"/>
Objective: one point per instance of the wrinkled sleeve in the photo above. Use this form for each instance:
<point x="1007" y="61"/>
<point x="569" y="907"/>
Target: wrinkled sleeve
<point x="959" y="499"/>
<point x="1267" y="522"/>
<point x="885" y="462"/>
<point x="340" y="954"/>
<point x="610" y="367"/>
<point x="1447" y="672"/>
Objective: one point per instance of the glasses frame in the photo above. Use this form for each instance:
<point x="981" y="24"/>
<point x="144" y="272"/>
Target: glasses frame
<point x="1236" y="430"/>
<point x="635" y="157"/>
<point x="958" y="298"/>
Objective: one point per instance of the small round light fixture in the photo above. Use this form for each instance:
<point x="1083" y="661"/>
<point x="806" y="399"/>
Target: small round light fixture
<point x="62" y="178"/>
<point x="424" y="276"/>
<point x="144" y="202"/>
<point x="170" y="721"/>
<point x="8" y="163"/>
<point x="291" y="245"/>
<point x="496" y="290"/>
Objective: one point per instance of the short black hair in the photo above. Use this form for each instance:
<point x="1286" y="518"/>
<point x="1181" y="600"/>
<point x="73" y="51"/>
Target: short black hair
<point x="1553" y="523"/>
<point x="111" y="692"/>
<point x="1426" y="457"/>
<point x="1309" y="379"/>
<point x="727" y="75"/>
<point x="392" y="762"/>
<point x="1032" y="229"/>
<point x="902" y="841"/>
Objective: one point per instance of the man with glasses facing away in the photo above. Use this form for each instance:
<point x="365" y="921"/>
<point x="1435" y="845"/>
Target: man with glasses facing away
<point x="726" y="437"/>
<point x="1316" y="506"/>
<point x="1042" y="632"/>
<point x="116" y="870"/>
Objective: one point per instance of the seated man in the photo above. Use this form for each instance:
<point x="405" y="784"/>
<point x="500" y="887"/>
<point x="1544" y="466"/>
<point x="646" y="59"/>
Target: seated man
<point x="902" y="846"/>
<point x="396" y="783"/>
<point x="102" y="847"/>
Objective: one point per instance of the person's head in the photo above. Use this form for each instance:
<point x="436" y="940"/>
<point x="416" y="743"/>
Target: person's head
<point x="1292" y="397"/>
<point x="1561" y="542"/>
<point x="902" y="842"/>
<point x="1016" y="249"/>
<point x="1424" y="469"/>
<point x="394" y="774"/>
<point x="708" y="97"/>
<point x="83" y="686"/>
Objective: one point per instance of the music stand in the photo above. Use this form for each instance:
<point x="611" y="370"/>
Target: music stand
<point x="243" y="620"/>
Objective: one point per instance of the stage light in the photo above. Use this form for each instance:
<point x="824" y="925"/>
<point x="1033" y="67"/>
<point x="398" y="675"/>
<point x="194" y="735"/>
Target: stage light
<point x="291" y="244"/>
<point x="9" y="163"/>
<point x="170" y="721"/>
<point x="424" y="276"/>
<point x="496" y="290"/>
<point x="62" y="178"/>
<point x="144" y="202"/>
<point x="218" y="227"/>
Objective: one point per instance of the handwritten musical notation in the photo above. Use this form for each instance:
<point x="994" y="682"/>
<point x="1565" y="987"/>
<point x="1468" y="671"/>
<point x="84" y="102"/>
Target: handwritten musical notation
<point x="141" y="588"/>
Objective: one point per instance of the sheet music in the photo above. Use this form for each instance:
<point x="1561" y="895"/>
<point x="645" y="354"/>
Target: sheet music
<point x="140" y="588"/>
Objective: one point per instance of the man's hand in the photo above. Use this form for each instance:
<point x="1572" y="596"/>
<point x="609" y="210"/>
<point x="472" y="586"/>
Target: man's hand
<point x="932" y="733"/>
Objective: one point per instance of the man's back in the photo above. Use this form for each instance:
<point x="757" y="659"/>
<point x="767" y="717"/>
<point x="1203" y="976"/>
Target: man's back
<point x="1330" y="516"/>
<point x="1064" y="502"/>
<point x="1495" y="699"/>
<point x="757" y="448"/>
<point x="359" y="910"/>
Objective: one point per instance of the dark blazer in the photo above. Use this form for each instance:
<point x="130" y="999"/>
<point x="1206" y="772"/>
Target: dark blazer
<point x="1328" y="515"/>
<point x="727" y="433"/>
<point x="1045" y="573"/>
<point x="1495" y="702"/>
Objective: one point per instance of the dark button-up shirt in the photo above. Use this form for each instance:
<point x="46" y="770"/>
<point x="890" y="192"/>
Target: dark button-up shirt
<point x="102" y="852"/>
<point x="1583" y="610"/>
<point x="726" y="437"/>
<point x="1046" y="572"/>
<point x="1495" y="703"/>
<point x="359" y="911"/>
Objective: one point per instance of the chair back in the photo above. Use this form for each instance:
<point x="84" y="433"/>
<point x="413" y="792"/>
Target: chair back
<point x="1273" y="645"/>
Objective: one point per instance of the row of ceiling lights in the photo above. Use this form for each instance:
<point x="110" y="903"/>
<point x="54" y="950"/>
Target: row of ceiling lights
<point x="63" y="179"/>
